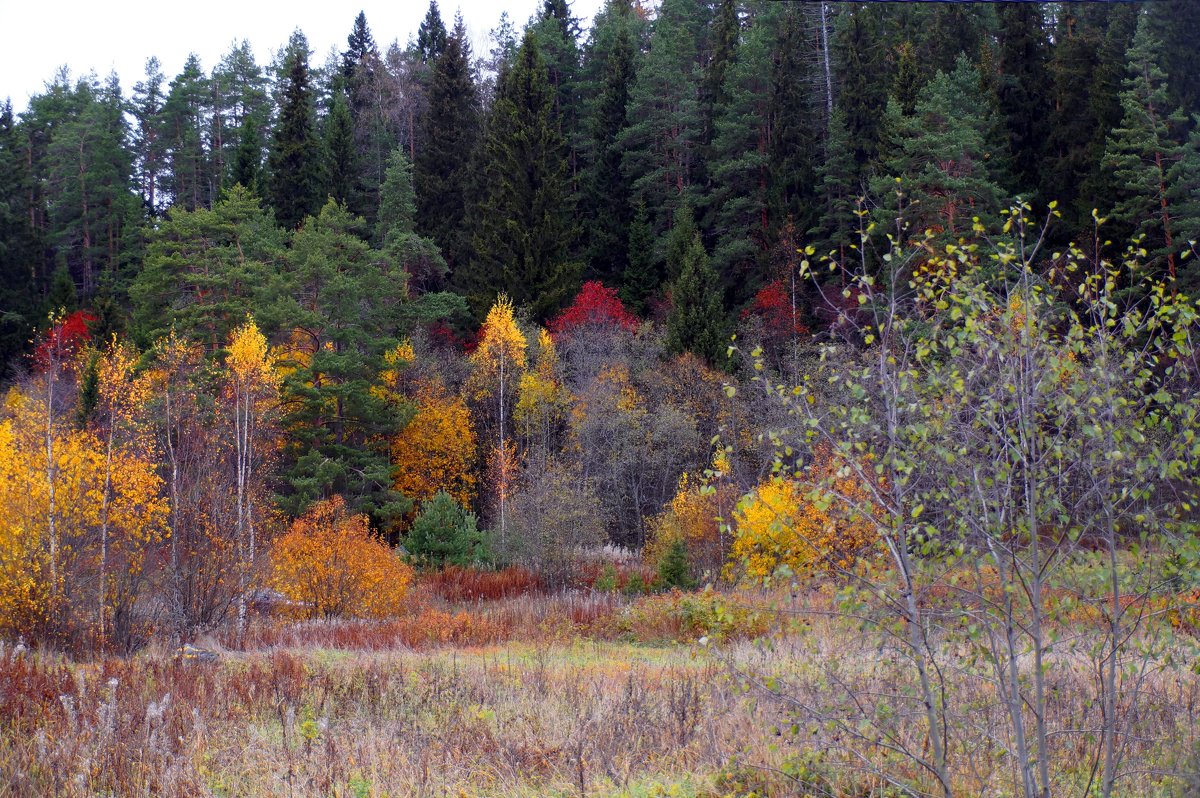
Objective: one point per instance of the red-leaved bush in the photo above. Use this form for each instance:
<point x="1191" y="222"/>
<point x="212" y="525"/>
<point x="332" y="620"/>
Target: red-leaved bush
<point x="66" y="339"/>
<point x="595" y="305"/>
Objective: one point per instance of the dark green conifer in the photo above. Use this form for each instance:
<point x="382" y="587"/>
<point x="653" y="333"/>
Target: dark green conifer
<point x="697" y="321"/>
<point x="526" y="226"/>
<point x="293" y="182"/>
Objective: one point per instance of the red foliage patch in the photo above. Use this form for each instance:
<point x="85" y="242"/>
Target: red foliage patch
<point x="64" y="340"/>
<point x="773" y="305"/>
<point x="595" y="305"/>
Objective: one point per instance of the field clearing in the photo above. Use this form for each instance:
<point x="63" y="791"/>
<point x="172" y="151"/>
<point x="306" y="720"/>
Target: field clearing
<point x="570" y="712"/>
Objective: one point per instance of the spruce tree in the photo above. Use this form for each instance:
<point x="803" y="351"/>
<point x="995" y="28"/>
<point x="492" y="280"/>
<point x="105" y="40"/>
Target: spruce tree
<point x="450" y="134"/>
<point x="641" y="279"/>
<point x="340" y="172"/>
<point x="1024" y="91"/>
<point x="417" y="255"/>
<point x="293" y="180"/>
<point x="444" y="533"/>
<point x="240" y="98"/>
<point x="660" y="144"/>
<point x="679" y="241"/>
<point x="431" y="35"/>
<point x="246" y="169"/>
<point x="526" y="223"/>
<point x="607" y="198"/>
<point x="739" y="198"/>
<point x="697" y="321"/>
<point x="796" y="122"/>
<point x="18" y="244"/>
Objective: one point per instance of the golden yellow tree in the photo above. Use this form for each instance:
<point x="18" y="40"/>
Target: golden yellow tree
<point x="253" y="388"/>
<point x="499" y="361"/>
<point x="436" y="449"/>
<point x="330" y="562"/>
<point x="541" y="399"/>
<point x="66" y="520"/>
<point x="784" y="522"/>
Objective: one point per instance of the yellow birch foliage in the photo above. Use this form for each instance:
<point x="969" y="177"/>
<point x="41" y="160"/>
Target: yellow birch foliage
<point x="249" y="359"/>
<point x="136" y="513"/>
<point x="436" y="449"/>
<point x="331" y="562"/>
<point x="501" y="354"/>
<point x="541" y="399"/>
<point x="779" y="523"/>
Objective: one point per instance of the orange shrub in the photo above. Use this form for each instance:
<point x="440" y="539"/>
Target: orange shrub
<point x="332" y="564"/>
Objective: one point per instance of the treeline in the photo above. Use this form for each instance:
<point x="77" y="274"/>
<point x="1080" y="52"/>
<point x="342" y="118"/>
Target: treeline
<point x="556" y="158"/>
<point x="484" y="306"/>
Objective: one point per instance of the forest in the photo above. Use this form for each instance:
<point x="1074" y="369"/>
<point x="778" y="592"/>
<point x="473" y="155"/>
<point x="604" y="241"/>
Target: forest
<point x="726" y="398"/>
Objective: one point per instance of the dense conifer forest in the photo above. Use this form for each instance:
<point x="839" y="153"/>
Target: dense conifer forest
<point x="865" y="329"/>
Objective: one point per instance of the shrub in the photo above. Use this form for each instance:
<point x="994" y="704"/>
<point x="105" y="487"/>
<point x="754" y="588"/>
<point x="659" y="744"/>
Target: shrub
<point x="445" y="534"/>
<point x="673" y="569"/>
<point x="334" y="566"/>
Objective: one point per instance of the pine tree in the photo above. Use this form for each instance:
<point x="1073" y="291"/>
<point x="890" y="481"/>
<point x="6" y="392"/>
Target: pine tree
<point x="293" y="180"/>
<point x="1142" y="153"/>
<point x="697" y="321"/>
<point x="149" y="140"/>
<point x="189" y="180"/>
<point x="526" y="223"/>
<point x="240" y="98"/>
<point x="641" y="278"/>
<point x="344" y="309"/>
<point x="450" y="134"/>
<point x="662" y="140"/>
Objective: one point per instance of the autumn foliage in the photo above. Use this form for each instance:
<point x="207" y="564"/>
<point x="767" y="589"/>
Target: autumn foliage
<point x="331" y="563"/>
<point x="436" y="449"/>
<point x="789" y="522"/>
<point x="595" y="305"/>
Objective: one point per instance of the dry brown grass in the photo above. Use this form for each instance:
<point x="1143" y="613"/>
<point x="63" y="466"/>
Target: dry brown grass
<point x="547" y="700"/>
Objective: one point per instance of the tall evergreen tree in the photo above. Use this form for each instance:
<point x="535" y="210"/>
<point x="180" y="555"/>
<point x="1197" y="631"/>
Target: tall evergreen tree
<point x="739" y="199"/>
<point x="641" y="278"/>
<point x="395" y="229"/>
<point x="796" y="119"/>
<point x="19" y="296"/>
<point x="241" y="107"/>
<point x="1024" y="91"/>
<point x="526" y="223"/>
<point x="607" y="195"/>
<point x="340" y="172"/>
<point x="431" y="35"/>
<point x="662" y="140"/>
<point x="697" y="322"/>
<point x="293" y="180"/>
<point x="1142" y="153"/>
<point x="942" y="157"/>
<point x="450" y="134"/>
<point x="858" y="43"/>
<point x="185" y="115"/>
<point x="149" y="141"/>
<point x="345" y="309"/>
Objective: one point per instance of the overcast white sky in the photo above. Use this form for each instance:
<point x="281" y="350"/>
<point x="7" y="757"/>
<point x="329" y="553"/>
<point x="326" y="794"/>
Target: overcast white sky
<point x="107" y="35"/>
